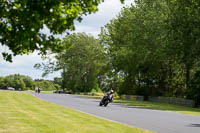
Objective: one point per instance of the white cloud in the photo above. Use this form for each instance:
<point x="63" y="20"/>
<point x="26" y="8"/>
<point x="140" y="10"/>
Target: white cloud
<point x="87" y="29"/>
<point x="23" y="65"/>
<point x="107" y="11"/>
<point x="90" y="24"/>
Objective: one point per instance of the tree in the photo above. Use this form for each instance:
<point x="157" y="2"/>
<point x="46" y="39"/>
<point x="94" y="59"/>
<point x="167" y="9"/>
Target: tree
<point x="155" y="43"/>
<point x="81" y="62"/>
<point x="2" y="83"/>
<point x="15" y="81"/>
<point x="45" y="85"/>
<point x="21" y="22"/>
<point x="19" y="84"/>
<point x="57" y="80"/>
<point x="28" y="82"/>
<point x="193" y="91"/>
<point x="135" y="45"/>
<point x="184" y="31"/>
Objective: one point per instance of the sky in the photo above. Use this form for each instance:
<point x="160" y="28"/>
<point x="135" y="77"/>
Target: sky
<point x="91" y="24"/>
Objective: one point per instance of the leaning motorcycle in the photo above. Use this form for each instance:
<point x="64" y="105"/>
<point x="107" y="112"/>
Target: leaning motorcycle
<point x="105" y="100"/>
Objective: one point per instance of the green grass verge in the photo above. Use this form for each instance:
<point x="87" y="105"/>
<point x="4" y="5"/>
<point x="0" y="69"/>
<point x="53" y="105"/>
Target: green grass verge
<point x="156" y="106"/>
<point x="161" y="106"/>
<point x="23" y="113"/>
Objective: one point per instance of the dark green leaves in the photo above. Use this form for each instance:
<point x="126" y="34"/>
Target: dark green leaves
<point x="21" y="22"/>
<point x="156" y="45"/>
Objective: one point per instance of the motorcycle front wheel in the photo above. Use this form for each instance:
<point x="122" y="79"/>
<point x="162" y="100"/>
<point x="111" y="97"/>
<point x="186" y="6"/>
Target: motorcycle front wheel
<point x="100" y="104"/>
<point x="106" y="103"/>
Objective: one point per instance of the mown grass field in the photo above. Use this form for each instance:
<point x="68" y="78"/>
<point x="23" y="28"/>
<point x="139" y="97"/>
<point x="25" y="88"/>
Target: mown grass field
<point x="23" y="113"/>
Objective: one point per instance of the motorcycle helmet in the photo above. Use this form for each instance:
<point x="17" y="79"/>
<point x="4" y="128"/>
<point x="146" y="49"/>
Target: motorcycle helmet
<point x="112" y="91"/>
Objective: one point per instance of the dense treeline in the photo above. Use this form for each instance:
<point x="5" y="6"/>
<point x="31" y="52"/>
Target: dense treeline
<point x="152" y="49"/>
<point x="22" y="82"/>
<point x="82" y="62"/>
<point x="156" y="45"/>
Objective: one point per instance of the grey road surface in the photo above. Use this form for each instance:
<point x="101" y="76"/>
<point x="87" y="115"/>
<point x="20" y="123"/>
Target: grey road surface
<point x="153" y="120"/>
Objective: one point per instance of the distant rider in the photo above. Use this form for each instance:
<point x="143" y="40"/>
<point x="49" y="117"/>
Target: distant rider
<point x="110" y="95"/>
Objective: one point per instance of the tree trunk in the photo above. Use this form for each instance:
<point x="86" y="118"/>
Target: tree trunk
<point x="64" y="79"/>
<point x="187" y="75"/>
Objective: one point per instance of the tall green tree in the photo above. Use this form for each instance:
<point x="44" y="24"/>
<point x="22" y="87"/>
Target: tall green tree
<point x="156" y="45"/>
<point x="135" y="44"/>
<point x="82" y="62"/>
<point x="184" y="32"/>
<point x="2" y="83"/>
<point x="28" y="81"/>
<point x="19" y="84"/>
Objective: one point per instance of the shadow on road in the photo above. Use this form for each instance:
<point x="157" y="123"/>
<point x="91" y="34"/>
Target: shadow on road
<point x="194" y="125"/>
<point x="124" y="106"/>
<point x="128" y="106"/>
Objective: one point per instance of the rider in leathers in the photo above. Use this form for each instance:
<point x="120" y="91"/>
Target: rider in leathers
<point x="110" y="95"/>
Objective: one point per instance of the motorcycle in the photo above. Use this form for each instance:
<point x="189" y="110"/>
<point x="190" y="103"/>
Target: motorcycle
<point x="106" y="99"/>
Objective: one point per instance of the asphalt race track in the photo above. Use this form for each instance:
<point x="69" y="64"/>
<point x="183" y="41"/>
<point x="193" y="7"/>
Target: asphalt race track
<point x="153" y="120"/>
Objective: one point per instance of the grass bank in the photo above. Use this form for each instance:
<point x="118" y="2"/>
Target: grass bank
<point x="23" y="113"/>
<point x="161" y="106"/>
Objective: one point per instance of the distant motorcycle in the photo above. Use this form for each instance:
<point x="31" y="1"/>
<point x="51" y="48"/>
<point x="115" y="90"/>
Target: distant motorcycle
<point x="37" y="90"/>
<point x="106" y="99"/>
